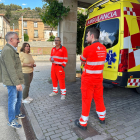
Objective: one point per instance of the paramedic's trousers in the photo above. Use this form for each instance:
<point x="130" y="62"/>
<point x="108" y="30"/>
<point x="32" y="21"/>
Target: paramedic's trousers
<point x="91" y="88"/>
<point x="58" y="74"/>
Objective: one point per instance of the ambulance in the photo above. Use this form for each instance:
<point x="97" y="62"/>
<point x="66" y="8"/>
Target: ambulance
<point x="119" y="24"/>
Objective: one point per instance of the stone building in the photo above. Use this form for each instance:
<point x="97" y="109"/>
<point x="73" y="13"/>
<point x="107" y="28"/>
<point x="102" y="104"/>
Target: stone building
<point x="33" y="27"/>
<point x="4" y="28"/>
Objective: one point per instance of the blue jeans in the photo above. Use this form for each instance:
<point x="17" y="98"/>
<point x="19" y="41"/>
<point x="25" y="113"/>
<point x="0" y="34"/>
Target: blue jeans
<point x="14" y="102"/>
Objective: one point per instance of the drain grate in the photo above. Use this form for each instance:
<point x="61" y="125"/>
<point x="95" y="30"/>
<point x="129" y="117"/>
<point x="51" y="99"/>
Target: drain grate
<point x="29" y="133"/>
<point x="85" y="134"/>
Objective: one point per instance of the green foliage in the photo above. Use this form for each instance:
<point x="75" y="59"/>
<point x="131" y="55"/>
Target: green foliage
<point x="81" y="20"/>
<point x="53" y="12"/>
<point x="38" y="9"/>
<point x="28" y="8"/>
<point x="12" y="7"/>
<point x="52" y="37"/>
<point x="8" y="13"/>
<point x="2" y="6"/>
<point x="26" y="37"/>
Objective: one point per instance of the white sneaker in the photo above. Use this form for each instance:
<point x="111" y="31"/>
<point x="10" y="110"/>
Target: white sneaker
<point x="53" y="93"/>
<point x="63" y="97"/>
<point x="29" y="99"/>
<point x="25" y="101"/>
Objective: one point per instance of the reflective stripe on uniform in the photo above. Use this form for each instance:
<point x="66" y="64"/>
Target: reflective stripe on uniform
<point x="55" y="89"/>
<point x="83" y="122"/>
<point x="101" y="113"/>
<point x="85" y="118"/>
<point x="63" y="91"/>
<point x="95" y="63"/>
<point x="65" y="58"/>
<point x="55" y="62"/>
<point x="83" y="57"/>
<point x="101" y="116"/>
<point x="59" y="57"/>
<point x="93" y="71"/>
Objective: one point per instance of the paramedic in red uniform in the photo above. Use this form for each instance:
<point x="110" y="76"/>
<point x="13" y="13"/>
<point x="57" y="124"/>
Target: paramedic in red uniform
<point x="92" y="78"/>
<point x="59" y="58"/>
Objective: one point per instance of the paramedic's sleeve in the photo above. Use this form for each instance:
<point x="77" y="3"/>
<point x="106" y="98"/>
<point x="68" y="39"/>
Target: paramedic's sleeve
<point x="83" y="57"/>
<point x="65" y="55"/>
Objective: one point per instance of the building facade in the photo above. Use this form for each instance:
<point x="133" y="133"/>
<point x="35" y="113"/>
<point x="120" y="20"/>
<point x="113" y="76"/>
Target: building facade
<point x="33" y="27"/>
<point x="4" y="28"/>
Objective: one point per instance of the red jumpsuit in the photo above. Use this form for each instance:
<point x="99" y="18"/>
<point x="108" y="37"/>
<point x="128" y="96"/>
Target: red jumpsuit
<point x="60" y="58"/>
<point x="91" y="82"/>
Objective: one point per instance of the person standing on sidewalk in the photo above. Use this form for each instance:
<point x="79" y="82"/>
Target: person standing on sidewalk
<point x="28" y="65"/>
<point x="92" y="78"/>
<point x="59" y="58"/>
<point x="12" y="77"/>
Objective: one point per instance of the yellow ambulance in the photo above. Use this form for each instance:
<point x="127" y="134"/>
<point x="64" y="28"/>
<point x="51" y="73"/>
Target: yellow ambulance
<point x="119" y="24"/>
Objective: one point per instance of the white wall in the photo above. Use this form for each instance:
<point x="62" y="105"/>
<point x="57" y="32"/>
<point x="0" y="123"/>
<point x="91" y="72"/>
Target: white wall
<point x="1" y="25"/>
<point x="46" y="34"/>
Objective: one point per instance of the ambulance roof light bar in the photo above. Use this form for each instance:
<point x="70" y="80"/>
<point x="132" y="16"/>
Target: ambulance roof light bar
<point x="99" y="3"/>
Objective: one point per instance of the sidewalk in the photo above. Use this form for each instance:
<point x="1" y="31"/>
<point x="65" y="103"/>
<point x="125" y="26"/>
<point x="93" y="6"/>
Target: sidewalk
<point x="52" y="118"/>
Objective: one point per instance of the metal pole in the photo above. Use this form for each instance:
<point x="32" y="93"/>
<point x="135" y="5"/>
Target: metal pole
<point x="13" y="27"/>
<point x="58" y="29"/>
<point x="22" y="30"/>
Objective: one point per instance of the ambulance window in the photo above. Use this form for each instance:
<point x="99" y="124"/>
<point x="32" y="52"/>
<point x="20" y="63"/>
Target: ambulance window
<point x="109" y="32"/>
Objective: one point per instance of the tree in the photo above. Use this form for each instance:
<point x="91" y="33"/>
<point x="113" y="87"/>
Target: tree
<point x="38" y="9"/>
<point x="8" y="13"/>
<point x="53" y="12"/>
<point x="2" y="6"/>
<point x="81" y="20"/>
<point x="26" y="37"/>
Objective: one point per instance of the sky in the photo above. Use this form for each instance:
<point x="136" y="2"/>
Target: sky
<point x="24" y="3"/>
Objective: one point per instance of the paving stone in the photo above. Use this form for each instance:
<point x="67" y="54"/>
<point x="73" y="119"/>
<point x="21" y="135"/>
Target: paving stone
<point x="66" y="132"/>
<point x="55" y="136"/>
<point x="137" y="135"/>
<point x="112" y="130"/>
<point x="121" y="136"/>
<point x="130" y="138"/>
<point x="49" y="133"/>
<point x="66" y="136"/>
<point x="60" y="130"/>
<point x="51" y="129"/>
<point x="130" y="133"/>
<point x="73" y="138"/>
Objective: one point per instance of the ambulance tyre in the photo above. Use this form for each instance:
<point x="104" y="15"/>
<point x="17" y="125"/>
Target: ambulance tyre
<point x="138" y="89"/>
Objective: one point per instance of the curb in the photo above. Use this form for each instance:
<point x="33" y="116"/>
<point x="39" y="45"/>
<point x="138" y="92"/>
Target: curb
<point x="21" y="132"/>
<point x="34" y="123"/>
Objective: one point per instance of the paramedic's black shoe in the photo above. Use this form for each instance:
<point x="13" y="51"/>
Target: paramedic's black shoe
<point x="80" y="126"/>
<point x="102" y="121"/>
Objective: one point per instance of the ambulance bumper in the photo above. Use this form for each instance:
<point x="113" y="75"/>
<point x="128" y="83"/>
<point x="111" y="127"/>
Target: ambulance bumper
<point x="123" y="80"/>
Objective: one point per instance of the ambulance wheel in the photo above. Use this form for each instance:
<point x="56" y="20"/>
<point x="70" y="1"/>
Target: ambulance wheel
<point x="138" y="89"/>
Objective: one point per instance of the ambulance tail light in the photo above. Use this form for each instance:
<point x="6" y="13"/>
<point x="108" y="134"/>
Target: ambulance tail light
<point x="123" y="62"/>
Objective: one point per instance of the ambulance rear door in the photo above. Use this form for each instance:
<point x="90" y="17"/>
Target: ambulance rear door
<point x="134" y="46"/>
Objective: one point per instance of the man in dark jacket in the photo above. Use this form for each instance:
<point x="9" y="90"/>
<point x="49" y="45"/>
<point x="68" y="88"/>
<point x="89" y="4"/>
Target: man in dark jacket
<point x="12" y="77"/>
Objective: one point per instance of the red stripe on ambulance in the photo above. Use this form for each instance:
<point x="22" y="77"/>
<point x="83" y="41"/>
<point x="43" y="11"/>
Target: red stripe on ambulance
<point x="136" y="8"/>
<point x="105" y="16"/>
<point x="126" y="29"/>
